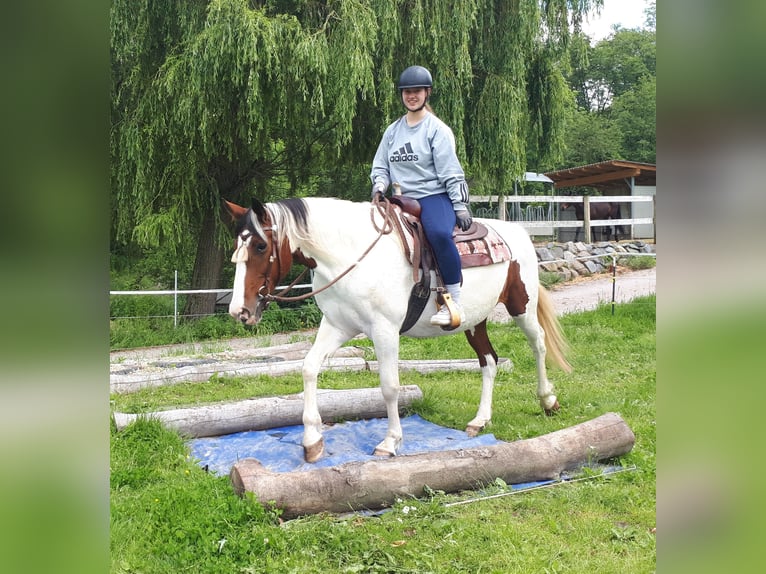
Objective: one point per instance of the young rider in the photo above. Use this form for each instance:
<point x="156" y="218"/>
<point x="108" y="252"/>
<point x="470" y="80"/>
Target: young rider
<point x="417" y="152"/>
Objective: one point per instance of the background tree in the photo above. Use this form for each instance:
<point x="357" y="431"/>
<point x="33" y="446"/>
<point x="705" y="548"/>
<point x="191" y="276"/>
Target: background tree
<point x="235" y="98"/>
<point x="614" y="94"/>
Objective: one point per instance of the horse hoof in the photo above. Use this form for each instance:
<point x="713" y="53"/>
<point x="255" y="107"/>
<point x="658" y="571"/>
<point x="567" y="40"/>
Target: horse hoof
<point x="473" y="430"/>
<point x="381" y="452"/>
<point x="551" y="411"/>
<point x="312" y="452"/>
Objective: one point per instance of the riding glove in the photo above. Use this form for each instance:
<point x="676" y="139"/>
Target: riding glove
<point x="378" y="188"/>
<point x="464" y="219"/>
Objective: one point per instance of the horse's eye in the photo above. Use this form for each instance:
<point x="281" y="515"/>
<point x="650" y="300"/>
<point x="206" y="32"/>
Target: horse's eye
<point x="261" y="248"/>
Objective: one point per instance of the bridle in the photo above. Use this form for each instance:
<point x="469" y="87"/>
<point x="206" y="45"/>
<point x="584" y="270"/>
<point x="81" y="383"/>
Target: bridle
<point x="241" y="255"/>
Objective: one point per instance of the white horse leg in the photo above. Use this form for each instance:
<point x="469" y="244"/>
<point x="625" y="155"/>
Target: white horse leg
<point x="484" y="414"/>
<point x="328" y="340"/>
<point x="387" y="351"/>
<point x="529" y="324"/>
<point x="479" y="341"/>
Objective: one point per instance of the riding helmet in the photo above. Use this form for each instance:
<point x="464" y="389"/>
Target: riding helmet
<point x="415" y="77"/>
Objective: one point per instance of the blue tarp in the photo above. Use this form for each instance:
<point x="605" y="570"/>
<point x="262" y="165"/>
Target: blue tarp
<point x="281" y="449"/>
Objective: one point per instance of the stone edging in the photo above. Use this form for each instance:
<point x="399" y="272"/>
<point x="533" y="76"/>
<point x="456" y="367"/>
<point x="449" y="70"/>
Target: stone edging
<point x="575" y="258"/>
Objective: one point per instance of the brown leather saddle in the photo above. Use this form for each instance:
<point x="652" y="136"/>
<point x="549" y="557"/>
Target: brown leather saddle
<point x="478" y="245"/>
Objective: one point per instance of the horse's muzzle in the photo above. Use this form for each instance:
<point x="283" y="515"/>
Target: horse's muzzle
<point x="245" y="317"/>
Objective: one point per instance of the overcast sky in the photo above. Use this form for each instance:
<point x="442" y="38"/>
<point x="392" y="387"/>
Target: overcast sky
<point x="626" y="13"/>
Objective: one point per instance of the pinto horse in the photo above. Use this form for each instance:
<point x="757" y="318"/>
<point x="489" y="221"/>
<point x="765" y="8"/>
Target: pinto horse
<point x="598" y="210"/>
<point x="366" y="292"/>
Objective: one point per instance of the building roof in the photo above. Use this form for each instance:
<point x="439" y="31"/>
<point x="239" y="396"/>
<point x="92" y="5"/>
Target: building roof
<point x="610" y="174"/>
<point x="532" y="176"/>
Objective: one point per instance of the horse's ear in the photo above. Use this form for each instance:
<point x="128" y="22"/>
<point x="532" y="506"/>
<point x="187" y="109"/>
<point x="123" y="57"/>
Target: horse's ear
<point x="259" y="210"/>
<point x="234" y="210"/>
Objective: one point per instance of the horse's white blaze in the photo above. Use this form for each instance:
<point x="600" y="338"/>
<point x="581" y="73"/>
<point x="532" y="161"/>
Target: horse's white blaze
<point x="238" y="290"/>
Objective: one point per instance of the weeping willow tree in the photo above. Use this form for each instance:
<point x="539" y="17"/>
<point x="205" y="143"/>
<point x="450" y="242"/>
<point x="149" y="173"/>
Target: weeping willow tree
<point x="520" y="96"/>
<point x="226" y="99"/>
<point x="234" y="98"/>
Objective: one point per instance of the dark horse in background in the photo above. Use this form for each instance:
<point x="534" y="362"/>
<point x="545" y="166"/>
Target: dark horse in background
<point x="600" y="210"/>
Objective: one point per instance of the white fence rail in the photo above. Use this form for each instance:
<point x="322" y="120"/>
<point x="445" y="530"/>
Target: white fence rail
<point x="545" y="217"/>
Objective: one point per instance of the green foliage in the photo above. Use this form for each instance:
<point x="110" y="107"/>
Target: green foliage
<point x="140" y="321"/>
<point x="167" y="515"/>
<point x="130" y="331"/>
<point x="638" y="262"/>
<point x="634" y="113"/>
<point x="593" y="138"/>
<point x="614" y="86"/>
<point x="185" y="512"/>
<point x="548" y="278"/>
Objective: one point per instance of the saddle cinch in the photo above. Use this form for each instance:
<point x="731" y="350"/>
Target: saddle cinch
<point x="478" y="245"/>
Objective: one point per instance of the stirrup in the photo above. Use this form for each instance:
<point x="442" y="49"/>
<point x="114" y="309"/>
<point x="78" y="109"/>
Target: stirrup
<point x="450" y="314"/>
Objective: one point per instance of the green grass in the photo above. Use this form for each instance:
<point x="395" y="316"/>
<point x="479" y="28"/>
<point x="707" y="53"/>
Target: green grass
<point x="147" y="325"/>
<point x="167" y="515"/>
<point x="639" y="262"/>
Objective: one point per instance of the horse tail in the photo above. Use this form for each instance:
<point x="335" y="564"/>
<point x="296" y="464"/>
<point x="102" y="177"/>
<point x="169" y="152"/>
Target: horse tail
<point x="555" y="342"/>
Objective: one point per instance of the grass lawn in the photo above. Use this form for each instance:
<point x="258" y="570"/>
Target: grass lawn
<point x="168" y="515"/>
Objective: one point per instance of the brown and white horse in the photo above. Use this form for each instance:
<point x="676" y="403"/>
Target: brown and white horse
<point x="345" y="239"/>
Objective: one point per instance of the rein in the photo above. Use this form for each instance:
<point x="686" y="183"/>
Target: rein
<point x="389" y="224"/>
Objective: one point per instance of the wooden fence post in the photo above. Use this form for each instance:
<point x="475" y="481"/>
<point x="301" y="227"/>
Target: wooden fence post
<point x="586" y="217"/>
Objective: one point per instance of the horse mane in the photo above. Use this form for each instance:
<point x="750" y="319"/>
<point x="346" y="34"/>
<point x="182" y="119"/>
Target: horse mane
<point x="313" y="223"/>
<point x="291" y="219"/>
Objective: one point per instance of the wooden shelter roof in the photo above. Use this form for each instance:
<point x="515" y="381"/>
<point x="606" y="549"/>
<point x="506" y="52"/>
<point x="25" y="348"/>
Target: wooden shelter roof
<point x="610" y="174"/>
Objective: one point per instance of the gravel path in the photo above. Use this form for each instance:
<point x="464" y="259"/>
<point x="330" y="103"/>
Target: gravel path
<point x="586" y="293"/>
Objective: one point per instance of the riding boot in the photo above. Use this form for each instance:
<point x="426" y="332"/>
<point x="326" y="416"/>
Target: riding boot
<point x="451" y="313"/>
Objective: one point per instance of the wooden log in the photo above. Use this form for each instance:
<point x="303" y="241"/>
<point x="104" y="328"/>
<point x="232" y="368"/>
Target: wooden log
<point x="128" y="383"/>
<point x="378" y="483"/>
<point x="272" y="412"/>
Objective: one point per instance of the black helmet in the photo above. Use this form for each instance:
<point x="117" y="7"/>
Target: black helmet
<point x="415" y="77"/>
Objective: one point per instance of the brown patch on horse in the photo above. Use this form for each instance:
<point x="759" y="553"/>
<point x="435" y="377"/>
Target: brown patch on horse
<point x="480" y="343"/>
<point x="514" y="295"/>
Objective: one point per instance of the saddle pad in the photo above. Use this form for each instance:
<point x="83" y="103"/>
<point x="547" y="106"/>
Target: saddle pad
<point x="488" y="250"/>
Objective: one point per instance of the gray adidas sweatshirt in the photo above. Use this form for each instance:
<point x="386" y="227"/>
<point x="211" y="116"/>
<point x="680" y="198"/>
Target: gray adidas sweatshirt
<point x="422" y="160"/>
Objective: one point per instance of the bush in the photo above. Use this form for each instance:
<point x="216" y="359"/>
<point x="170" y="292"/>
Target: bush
<point x="142" y="326"/>
<point x="548" y="278"/>
<point x="640" y="262"/>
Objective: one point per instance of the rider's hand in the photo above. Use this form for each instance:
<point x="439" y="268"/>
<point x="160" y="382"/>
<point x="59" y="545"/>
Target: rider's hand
<point x="464" y="219"/>
<point x="378" y="191"/>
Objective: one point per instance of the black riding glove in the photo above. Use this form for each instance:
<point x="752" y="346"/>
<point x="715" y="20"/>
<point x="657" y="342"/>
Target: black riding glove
<point x="464" y="219"/>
